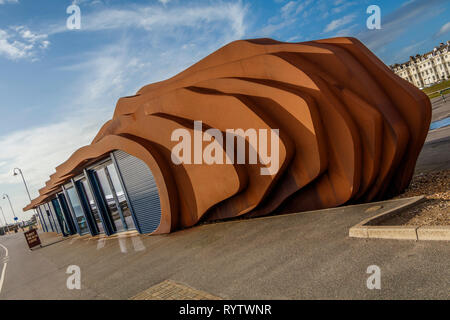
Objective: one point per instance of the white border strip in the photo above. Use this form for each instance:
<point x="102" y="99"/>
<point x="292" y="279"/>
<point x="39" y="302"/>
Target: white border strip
<point x="2" y="277"/>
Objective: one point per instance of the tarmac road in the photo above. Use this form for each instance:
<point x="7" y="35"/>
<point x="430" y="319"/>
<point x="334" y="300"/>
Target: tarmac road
<point x="441" y="109"/>
<point x="435" y="154"/>
<point x="297" y="256"/>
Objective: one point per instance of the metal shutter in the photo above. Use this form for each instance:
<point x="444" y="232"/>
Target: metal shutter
<point x="142" y="191"/>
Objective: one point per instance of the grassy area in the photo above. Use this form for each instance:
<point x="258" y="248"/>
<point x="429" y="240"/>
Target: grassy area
<point x="431" y="91"/>
<point x="438" y="93"/>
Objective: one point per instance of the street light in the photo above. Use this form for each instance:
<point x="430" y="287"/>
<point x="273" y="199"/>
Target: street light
<point x="23" y="179"/>
<point x="17" y="171"/>
<point x="3" y="214"/>
<point x="5" y="196"/>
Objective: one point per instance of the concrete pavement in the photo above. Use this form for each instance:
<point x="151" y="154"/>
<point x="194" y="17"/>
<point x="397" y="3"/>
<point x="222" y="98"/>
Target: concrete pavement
<point x="299" y="256"/>
<point x="435" y="155"/>
<point x="441" y="108"/>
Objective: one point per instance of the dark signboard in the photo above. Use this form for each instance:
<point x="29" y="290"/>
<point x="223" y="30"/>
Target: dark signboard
<point x="32" y="238"/>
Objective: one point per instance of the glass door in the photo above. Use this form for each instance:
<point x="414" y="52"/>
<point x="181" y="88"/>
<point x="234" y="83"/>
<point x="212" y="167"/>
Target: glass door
<point x="84" y="188"/>
<point x="114" y="197"/>
<point x="46" y="213"/>
<point x="78" y="210"/>
<point x="120" y="196"/>
<point x="60" y="217"/>
<point x="110" y="199"/>
<point x="53" y="217"/>
<point x="66" y="213"/>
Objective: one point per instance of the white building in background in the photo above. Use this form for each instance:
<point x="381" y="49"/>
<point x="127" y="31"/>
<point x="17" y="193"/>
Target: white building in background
<point x="426" y="69"/>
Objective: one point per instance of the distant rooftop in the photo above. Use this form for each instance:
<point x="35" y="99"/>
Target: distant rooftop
<point x="442" y="47"/>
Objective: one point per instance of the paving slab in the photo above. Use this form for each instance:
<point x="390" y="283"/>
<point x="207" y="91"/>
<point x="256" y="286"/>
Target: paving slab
<point x="399" y="233"/>
<point x="439" y="233"/>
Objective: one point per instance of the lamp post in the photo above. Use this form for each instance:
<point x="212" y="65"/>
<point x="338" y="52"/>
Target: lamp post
<point x="16" y="171"/>
<point x="5" y="196"/>
<point x="23" y="179"/>
<point x="3" y="214"/>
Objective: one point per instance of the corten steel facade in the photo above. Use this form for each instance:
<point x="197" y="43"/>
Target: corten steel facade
<point x="350" y="132"/>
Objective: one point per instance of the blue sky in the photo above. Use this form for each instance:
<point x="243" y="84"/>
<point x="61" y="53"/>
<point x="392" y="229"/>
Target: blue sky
<point x="58" y="86"/>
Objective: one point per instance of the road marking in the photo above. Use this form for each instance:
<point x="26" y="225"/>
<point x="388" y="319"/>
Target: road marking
<point x="6" y="250"/>
<point x="2" y="277"/>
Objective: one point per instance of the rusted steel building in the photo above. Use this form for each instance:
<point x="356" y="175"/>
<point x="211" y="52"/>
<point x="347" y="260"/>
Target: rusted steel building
<point x="349" y="131"/>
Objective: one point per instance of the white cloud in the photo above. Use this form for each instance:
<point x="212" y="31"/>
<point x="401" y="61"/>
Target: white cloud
<point x="399" y="22"/>
<point x="270" y="29"/>
<point x="109" y="72"/>
<point x="287" y="16"/>
<point x="347" y="32"/>
<point x="288" y="8"/>
<point x="42" y="148"/>
<point x="294" y="39"/>
<point x="344" y="6"/>
<point x="293" y="8"/>
<point x="444" y="29"/>
<point x="153" y="18"/>
<point x="37" y="151"/>
<point x="20" y="42"/>
<point x="12" y="49"/>
<point x="409" y="50"/>
<point x="87" y="2"/>
<point x="8" y="1"/>
<point x="335" y="24"/>
<point x="407" y="2"/>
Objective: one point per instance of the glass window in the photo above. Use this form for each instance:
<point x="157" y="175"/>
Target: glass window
<point x="53" y="217"/>
<point x="109" y="198"/>
<point x="46" y="215"/>
<point x="92" y="205"/>
<point x="121" y="197"/>
<point x="60" y="216"/>
<point x="78" y="211"/>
